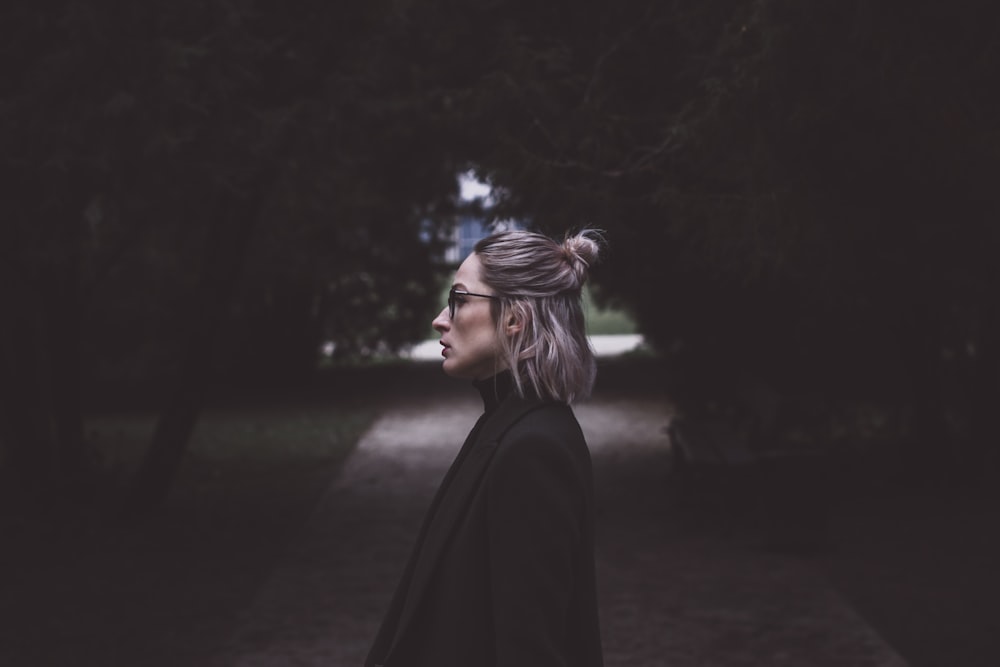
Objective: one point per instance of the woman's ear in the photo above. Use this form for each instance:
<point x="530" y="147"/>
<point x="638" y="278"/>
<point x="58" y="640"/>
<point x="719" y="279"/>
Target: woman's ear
<point x="516" y="322"/>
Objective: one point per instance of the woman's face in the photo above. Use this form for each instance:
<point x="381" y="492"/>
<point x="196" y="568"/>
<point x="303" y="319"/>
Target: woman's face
<point x="470" y="338"/>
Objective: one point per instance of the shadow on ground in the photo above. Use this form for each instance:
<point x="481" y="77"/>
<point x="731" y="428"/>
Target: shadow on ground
<point x="918" y="564"/>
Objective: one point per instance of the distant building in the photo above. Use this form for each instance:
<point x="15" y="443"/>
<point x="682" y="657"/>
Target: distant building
<point x="468" y="232"/>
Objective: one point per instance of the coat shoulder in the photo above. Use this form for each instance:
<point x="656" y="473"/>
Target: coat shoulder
<point x="547" y="426"/>
<point x="545" y="418"/>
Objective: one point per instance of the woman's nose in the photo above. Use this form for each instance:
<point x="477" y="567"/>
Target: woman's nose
<point x="442" y="321"/>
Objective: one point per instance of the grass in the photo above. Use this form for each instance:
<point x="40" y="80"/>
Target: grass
<point x="606" y="321"/>
<point x="168" y="591"/>
<point x="317" y="434"/>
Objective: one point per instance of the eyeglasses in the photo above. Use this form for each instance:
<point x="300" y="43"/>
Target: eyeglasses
<point x="452" y="293"/>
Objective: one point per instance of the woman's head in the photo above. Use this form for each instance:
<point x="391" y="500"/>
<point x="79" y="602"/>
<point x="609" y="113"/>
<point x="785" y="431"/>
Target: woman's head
<point x="530" y="287"/>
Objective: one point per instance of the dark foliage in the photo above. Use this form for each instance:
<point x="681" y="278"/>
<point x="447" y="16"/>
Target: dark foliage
<point x="798" y="193"/>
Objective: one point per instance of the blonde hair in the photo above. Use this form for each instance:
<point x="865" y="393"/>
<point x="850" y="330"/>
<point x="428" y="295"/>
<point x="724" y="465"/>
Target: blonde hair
<point x="539" y="282"/>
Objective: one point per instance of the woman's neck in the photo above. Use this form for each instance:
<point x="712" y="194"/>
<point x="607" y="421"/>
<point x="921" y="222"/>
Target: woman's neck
<point x="495" y="389"/>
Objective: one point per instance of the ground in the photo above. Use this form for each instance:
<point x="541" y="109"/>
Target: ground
<point x="908" y="572"/>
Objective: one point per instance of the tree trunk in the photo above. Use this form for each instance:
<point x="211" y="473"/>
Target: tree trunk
<point x="40" y="364"/>
<point x="928" y="446"/>
<point x="984" y="393"/>
<point x="63" y="341"/>
<point x="226" y="246"/>
<point x="24" y="423"/>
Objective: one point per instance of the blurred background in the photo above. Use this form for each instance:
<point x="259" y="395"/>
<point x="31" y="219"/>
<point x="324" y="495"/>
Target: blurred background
<point x="228" y="224"/>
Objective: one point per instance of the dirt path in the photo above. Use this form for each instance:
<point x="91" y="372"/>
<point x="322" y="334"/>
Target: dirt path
<point x="671" y="593"/>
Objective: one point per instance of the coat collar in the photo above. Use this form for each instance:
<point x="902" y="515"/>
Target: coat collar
<point x="455" y="501"/>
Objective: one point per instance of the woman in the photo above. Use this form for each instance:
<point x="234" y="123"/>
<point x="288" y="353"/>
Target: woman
<point x="503" y="569"/>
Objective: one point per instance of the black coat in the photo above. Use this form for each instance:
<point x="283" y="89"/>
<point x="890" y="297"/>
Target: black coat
<point x="502" y="573"/>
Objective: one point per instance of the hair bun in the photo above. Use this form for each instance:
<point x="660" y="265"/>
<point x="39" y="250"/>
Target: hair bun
<point x="582" y="252"/>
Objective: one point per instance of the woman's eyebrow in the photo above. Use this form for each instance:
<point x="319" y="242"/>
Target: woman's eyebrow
<point x="458" y="286"/>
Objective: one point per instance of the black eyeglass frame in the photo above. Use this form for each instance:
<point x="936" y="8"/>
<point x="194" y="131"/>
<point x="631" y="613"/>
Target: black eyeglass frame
<point x="452" y="293"/>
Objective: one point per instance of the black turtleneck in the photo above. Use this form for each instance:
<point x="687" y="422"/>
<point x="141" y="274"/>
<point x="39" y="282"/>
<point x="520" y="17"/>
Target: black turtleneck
<point x="495" y="389"/>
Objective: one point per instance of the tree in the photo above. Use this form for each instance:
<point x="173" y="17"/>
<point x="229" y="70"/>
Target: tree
<point x="804" y="187"/>
<point x="146" y="141"/>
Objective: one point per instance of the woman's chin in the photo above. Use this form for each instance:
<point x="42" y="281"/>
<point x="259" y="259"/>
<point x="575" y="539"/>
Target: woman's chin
<point x="451" y="370"/>
<point x="474" y="371"/>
